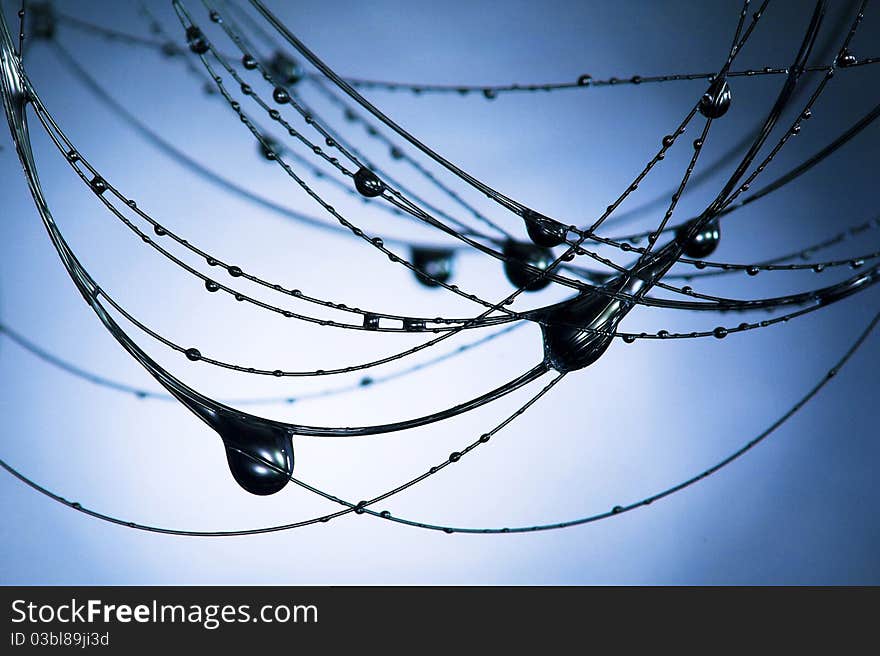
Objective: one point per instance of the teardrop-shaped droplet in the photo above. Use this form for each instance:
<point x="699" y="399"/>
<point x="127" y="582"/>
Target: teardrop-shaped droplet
<point x="520" y="256"/>
<point x="367" y="183"/>
<point x="269" y="147"/>
<point x="579" y="330"/>
<point x="41" y="20"/>
<point x="196" y="40"/>
<point x="543" y="231"/>
<point x="284" y="69"/>
<point x="435" y="263"/>
<point x="716" y="101"/>
<point x="260" y="455"/>
<point x="703" y="243"/>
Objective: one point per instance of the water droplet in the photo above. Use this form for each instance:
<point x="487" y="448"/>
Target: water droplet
<point x="716" y="101"/>
<point x="193" y="354"/>
<point x="98" y="184"/>
<point x="360" y="508"/>
<point x="367" y="183"/>
<point x="385" y="514"/>
<point x="196" y="40"/>
<point x="234" y="271"/>
<point x="249" y="62"/>
<point x="41" y="20"/>
<point x="247" y="437"/>
<point x="435" y="263"/>
<point x="211" y="286"/>
<point x="455" y="456"/>
<point x="543" y="231"/>
<point x="159" y="230"/>
<point x="703" y="243"/>
<point x="846" y="58"/>
<point x="617" y="510"/>
<point x="720" y="332"/>
<point x="579" y="330"/>
<point x="584" y="80"/>
<point x="269" y="147"/>
<point x="522" y="255"/>
<point x="371" y="322"/>
<point x="284" y="69"/>
<point x="413" y="325"/>
<point x="753" y="271"/>
<point x="280" y="95"/>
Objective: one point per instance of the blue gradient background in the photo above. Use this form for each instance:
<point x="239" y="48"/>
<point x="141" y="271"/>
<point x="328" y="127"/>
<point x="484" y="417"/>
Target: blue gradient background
<point x="800" y="508"/>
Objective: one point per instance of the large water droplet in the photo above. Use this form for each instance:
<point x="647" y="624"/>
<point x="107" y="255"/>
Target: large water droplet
<point x="196" y="40"/>
<point x="543" y="231"/>
<point x="41" y="20"/>
<point x="520" y="256"/>
<point x="367" y="183"/>
<point x="436" y="263"/>
<point x="285" y="69"/>
<point x="701" y="244"/>
<point x="716" y="101"/>
<point x="579" y="330"/>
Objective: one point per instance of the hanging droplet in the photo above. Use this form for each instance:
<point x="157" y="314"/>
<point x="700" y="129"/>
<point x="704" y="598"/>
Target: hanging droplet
<point x="579" y="330"/>
<point x="269" y="147"/>
<point x="367" y="183"/>
<point x="716" y="101"/>
<point x="211" y="286"/>
<point x="196" y="40"/>
<point x="846" y="59"/>
<point x="98" y="184"/>
<point x="701" y="244"/>
<point x="584" y="80"/>
<point x="41" y="20"/>
<point x="520" y="256"/>
<point x="249" y="62"/>
<point x="371" y="322"/>
<point x="284" y="69"/>
<point x="543" y="231"/>
<point x="249" y="441"/>
<point x="436" y="263"/>
<point x="280" y="95"/>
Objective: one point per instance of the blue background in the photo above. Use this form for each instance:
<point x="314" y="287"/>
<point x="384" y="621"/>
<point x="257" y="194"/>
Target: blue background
<point x="801" y="508"/>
